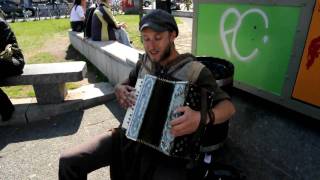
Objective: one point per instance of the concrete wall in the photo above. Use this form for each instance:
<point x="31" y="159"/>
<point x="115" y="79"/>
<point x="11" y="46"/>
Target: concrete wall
<point x="113" y="59"/>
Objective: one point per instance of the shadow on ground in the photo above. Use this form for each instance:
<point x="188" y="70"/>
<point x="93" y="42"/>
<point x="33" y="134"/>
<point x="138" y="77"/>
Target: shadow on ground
<point x="46" y="129"/>
<point x="267" y="141"/>
<point x="116" y="110"/>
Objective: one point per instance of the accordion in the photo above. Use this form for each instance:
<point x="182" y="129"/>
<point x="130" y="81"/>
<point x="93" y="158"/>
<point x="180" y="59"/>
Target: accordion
<point x="148" y="121"/>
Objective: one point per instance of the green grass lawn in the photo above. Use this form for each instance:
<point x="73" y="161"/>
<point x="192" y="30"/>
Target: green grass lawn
<point x="32" y="36"/>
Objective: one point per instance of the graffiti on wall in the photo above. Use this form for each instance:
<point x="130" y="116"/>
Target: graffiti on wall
<point x="313" y="51"/>
<point x="233" y="31"/>
<point x="253" y="37"/>
<point x="307" y="85"/>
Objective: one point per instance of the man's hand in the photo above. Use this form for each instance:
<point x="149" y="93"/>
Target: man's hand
<point x="7" y="53"/>
<point x="187" y="123"/>
<point x="125" y="95"/>
<point x="122" y="25"/>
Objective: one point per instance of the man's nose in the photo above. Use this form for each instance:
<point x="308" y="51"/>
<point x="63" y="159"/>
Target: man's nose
<point x="152" y="44"/>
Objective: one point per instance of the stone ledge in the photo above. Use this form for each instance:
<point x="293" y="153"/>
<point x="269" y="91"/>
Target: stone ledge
<point x="112" y="58"/>
<point x="48" y="73"/>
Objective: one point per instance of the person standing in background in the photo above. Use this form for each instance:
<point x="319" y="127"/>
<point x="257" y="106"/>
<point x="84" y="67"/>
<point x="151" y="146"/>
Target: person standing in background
<point x="77" y="16"/>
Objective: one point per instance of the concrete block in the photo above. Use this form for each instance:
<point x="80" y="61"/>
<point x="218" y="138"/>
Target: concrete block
<point x="93" y="94"/>
<point x="78" y="99"/>
<point x="28" y="111"/>
<point x="50" y="93"/>
<point x="48" y="73"/>
<point x="37" y="112"/>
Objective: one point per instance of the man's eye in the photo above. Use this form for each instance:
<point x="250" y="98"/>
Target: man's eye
<point x="158" y="38"/>
<point x="146" y="39"/>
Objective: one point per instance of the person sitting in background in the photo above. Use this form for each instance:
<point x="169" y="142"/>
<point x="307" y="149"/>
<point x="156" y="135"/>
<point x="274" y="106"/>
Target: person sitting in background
<point x="77" y="16"/>
<point x="88" y="19"/>
<point x="105" y="27"/>
<point x="11" y="63"/>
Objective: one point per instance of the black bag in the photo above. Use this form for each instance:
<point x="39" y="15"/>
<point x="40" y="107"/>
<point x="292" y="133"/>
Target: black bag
<point x="224" y="172"/>
<point x="215" y="171"/>
<point x="6" y="107"/>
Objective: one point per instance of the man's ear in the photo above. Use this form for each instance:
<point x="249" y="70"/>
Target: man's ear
<point x="173" y="35"/>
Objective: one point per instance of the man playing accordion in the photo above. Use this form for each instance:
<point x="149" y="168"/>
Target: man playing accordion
<point x="130" y="159"/>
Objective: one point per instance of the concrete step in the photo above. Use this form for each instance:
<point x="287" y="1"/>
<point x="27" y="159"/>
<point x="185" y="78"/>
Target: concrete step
<point x="28" y="111"/>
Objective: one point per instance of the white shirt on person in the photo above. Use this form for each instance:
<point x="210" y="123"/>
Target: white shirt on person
<point x="77" y="13"/>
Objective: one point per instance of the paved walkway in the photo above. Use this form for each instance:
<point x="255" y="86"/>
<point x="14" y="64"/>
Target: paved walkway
<point x="266" y="142"/>
<point x="184" y="39"/>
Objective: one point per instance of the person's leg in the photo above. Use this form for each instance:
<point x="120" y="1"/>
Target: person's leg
<point x="6" y="107"/>
<point x="77" y="26"/>
<point x="79" y="161"/>
<point x="169" y="173"/>
<point x="122" y="36"/>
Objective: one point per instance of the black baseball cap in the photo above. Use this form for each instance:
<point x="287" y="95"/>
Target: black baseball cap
<point x="159" y="20"/>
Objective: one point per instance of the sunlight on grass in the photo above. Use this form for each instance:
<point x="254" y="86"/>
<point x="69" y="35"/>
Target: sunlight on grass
<point x="42" y="57"/>
<point x="19" y="91"/>
<point x="33" y="34"/>
<point x="132" y="22"/>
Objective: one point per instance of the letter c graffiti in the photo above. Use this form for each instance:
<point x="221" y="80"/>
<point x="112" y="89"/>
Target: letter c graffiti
<point x="234" y="30"/>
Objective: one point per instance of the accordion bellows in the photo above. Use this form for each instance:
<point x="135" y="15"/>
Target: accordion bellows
<point x="148" y="121"/>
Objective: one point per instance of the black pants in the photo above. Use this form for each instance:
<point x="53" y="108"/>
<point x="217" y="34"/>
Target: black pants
<point x="77" y="26"/>
<point x="79" y="161"/>
<point x="8" y="68"/>
<point x="6" y="107"/>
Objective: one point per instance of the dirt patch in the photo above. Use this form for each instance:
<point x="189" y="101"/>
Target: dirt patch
<point x="59" y="46"/>
<point x="56" y="46"/>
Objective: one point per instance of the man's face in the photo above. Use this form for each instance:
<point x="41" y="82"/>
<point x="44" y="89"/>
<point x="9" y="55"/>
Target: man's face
<point x="158" y="45"/>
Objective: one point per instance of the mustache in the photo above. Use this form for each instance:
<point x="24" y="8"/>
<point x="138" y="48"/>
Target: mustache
<point x="154" y="50"/>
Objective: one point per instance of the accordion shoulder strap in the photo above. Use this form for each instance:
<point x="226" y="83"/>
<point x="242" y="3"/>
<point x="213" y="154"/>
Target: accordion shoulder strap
<point x="187" y="70"/>
<point x="196" y="68"/>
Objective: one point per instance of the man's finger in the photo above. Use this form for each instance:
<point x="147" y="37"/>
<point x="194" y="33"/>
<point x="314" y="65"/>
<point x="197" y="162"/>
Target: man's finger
<point x="129" y="88"/>
<point x="177" y="121"/>
<point x="178" y="130"/>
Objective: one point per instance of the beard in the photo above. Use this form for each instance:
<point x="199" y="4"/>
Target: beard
<point x="165" y="55"/>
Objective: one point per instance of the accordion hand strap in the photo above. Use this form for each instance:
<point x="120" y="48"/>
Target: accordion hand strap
<point x="204" y="107"/>
<point x="196" y="140"/>
<point x="203" y="117"/>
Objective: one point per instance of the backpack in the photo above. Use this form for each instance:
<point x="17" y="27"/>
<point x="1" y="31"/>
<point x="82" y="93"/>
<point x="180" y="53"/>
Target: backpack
<point x="88" y="21"/>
